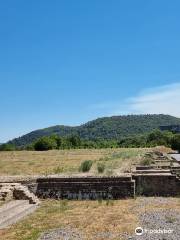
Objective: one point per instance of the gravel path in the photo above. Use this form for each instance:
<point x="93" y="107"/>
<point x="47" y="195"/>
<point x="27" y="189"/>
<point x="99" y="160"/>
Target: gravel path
<point x="61" y="234"/>
<point x="70" y="234"/>
<point x="161" y="224"/>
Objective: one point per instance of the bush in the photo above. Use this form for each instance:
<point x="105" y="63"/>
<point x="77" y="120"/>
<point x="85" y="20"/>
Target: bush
<point x="63" y="205"/>
<point x="86" y="166"/>
<point x="74" y="141"/>
<point x="175" y="143"/>
<point x="109" y="202"/>
<point x="58" y="170"/>
<point x="147" y="162"/>
<point x="7" y="147"/>
<point x="44" y="144"/>
<point x="30" y="147"/>
<point x="100" y="167"/>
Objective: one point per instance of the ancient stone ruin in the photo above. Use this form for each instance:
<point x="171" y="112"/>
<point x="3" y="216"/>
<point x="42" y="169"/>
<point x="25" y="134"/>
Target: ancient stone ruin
<point x="160" y="178"/>
<point x="24" y="202"/>
<point x="86" y="188"/>
<point x="16" y="191"/>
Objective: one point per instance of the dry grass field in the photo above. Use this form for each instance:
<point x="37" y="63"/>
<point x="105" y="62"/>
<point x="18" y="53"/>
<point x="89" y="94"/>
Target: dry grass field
<point x="94" y="219"/>
<point x="89" y="217"/>
<point x="67" y="161"/>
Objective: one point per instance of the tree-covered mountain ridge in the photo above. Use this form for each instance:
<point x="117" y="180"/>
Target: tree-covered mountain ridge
<point x="108" y="128"/>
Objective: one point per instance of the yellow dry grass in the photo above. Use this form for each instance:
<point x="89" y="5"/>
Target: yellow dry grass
<point x="91" y="218"/>
<point x="65" y="161"/>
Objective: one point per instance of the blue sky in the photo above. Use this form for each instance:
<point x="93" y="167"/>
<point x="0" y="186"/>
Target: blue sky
<point x="67" y="62"/>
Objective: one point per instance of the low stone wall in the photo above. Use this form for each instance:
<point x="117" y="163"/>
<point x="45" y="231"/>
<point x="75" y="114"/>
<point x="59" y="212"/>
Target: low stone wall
<point x="144" y="167"/>
<point x="148" y="182"/>
<point x="86" y="188"/>
<point x="142" y="182"/>
<point x="157" y="184"/>
<point x="152" y="167"/>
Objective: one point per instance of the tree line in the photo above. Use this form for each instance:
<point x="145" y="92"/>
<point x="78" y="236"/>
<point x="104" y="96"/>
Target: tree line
<point x="152" y="139"/>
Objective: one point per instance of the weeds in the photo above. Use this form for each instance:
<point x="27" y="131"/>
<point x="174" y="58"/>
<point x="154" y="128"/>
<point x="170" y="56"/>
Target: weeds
<point x="86" y="166"/>
<point x="58" y="170"/>
<point x="100" y="167"/>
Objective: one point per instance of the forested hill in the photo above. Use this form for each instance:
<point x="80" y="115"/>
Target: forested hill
<point x="116" y="127"/>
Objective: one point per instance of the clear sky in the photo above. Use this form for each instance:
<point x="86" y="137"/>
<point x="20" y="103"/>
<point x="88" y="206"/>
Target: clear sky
<point x="67" y="62"/>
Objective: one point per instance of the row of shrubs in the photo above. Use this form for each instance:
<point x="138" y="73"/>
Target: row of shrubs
<point x="155" y="138"/>
<point x="56" y="142"/>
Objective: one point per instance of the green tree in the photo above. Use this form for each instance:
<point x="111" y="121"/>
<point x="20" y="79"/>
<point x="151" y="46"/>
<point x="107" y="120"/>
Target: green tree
<point x="7" y="147"/>
<point x="74" y="141"/>
<point x="45" y="143"/>
<point x="58" y="140"/>
<point x="175" y="143"/>
<point x="156" y="137"/>
<point x="30" y="147"/>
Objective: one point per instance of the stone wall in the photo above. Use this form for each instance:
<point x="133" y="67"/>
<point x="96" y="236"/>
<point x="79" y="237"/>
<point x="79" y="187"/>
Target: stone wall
<point x="148" y="182"/>
<point x="85" y="188"/>
<point x="157" y="184"/>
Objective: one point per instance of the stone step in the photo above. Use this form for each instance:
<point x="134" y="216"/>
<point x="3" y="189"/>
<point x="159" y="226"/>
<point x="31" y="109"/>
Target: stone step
<point x="163" y="160"/>
<point x="175" y="168"/>
<point x="152" y="171"/>
<point x="22" y="192"/>
<point x="144" y="167"/>
<point x="153" y="167"/>
<point x="16" y="213"/>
